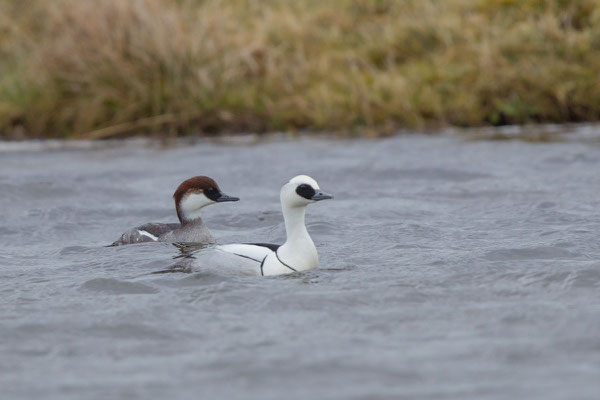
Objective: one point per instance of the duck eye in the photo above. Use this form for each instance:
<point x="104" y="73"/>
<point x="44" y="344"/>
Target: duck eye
<point x="305" y="190"/>
<point x="212" y="193"/>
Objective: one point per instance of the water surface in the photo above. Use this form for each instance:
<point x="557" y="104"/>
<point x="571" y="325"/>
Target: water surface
<point x="450" y="269"/>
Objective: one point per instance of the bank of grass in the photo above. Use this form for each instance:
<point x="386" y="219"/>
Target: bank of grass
<point x="102" y="68"/>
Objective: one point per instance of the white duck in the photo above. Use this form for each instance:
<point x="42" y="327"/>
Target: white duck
<point x="298" y="253"/>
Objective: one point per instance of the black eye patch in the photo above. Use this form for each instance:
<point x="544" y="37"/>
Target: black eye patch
<point x="305" y="191"/>
<point x="212" y="193"/>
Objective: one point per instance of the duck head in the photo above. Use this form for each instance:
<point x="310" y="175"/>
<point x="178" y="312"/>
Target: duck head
<point x="196" y="193"/>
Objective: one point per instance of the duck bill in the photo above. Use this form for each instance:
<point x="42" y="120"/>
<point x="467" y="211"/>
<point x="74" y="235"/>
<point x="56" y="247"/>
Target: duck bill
<point x="225" y="197"/>
<point x="321" y="196"/>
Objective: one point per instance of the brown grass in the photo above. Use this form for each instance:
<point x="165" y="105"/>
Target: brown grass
<point x="82" y="68"/>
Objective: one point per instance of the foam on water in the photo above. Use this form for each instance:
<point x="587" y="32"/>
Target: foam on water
<point x="449" y="269"/>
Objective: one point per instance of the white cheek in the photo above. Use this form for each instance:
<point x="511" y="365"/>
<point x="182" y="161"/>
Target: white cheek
<point x="192" y="204"/>
<point x="291" y="198"/>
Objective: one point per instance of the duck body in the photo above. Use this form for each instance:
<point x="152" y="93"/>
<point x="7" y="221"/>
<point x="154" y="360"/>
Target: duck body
<point x="195" y="232"/>
<point x="273" y="259"/>
<point x="190" y="197"/>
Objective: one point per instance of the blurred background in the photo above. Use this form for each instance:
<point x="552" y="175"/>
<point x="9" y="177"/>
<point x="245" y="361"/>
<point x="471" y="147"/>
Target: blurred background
<point x="106" y="68"/>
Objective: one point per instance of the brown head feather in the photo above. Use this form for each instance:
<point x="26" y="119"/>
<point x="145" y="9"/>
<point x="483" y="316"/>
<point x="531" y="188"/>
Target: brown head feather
<point x="195" y="184"/>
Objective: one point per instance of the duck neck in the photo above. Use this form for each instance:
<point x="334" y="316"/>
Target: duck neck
<point x="295" y="227"/>
<point x="186" y="218"/>
<point x="191" y="222"/>
<point x="298" y="251"/>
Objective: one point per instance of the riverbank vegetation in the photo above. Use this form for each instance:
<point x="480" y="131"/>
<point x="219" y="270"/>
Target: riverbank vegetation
<point x="104" y="68"/>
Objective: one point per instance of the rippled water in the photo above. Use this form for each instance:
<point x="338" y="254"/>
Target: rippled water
<point x="450" y="269"/>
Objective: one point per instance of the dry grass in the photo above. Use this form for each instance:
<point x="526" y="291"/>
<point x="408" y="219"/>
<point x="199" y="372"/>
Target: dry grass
<point x="98" y="68"/>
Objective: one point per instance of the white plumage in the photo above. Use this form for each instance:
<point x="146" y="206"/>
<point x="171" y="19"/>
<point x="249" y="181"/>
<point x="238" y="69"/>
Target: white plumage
<point x="298" y="253"/>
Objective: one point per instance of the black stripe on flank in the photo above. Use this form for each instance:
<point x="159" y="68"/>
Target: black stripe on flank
<point x="271" y="246"/>
<point x="305" y="191"/>
<point x="277" y="255"/>
<point x="249" y="258"/>
<point x="262" y="273"/>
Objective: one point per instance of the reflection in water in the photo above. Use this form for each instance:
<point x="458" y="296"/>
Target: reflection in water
<point x="189" y="248"/>
<point x="186" y="251"/>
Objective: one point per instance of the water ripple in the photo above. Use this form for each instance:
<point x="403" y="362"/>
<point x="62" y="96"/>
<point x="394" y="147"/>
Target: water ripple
<point x="114" y="286"/>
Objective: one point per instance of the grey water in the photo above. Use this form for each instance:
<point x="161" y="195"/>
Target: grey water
<point x="449" y="269"/>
